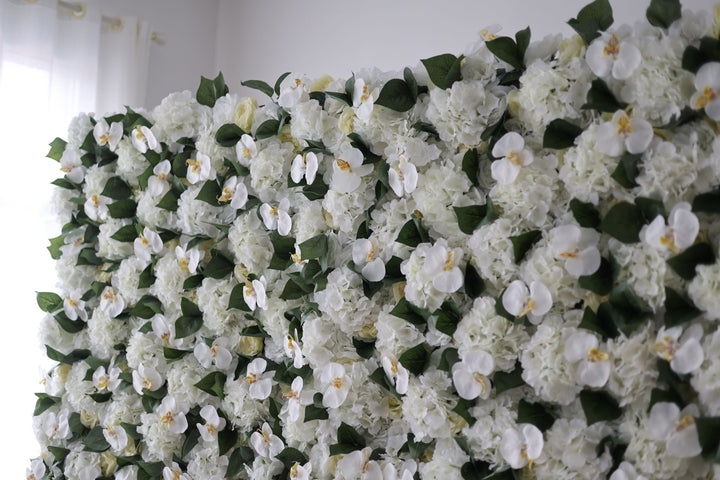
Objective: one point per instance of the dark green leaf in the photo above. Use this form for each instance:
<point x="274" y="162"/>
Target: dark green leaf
<point x="684" y="264"/>
<point x="210" y="90"/>
<point x="88" y="256"/>
<point x="678" y="309"/>
<point x="100" y="397"/>
<point x="117" y="189"/>
<point x="58" y="452"/>
<point x="279" y="81"/>
<point x="707" y="202"/>
<point x="522" y="38"/>
<point x="601" y="98"/>
<point x="70" y="326"/>
<point x="314" y="412"/>
<point x="219" y="266"/>
<point x="237" y="299"/>
<point x="122" y="208"/>
<point x="214" y="384"/>
<point x="473" y="284"/>
<point x="365" y="347"/>
<point x="186" y="326"/>
<point x="560" y="134"/>
<point x="585" y="213"/>
<point x="64" y="183"/>
<point x="447" y="318"/>
<point x="192" y="438"/>
<point x="269" y="128"/>
<point x="474" y="216"/>
<point x="44" y="402"/>
<point x="416" y="449"/>
<point x="535" y="413"/>
<point x="443" y="70"/>
<point x="599" y="406"/>
<point x="411" y="83"/>
<point x="650" y="208"/>
<point x="229" y="135"/>
<point x="600" y="282"/>
<point x="593" y="18"/>
<point x="340" y="97"/>
<point x="662" y="13"/>
<point x="507" y="50"/>
<point x="503" y="381"/>
<point x="128" y="233"/>
<point x="171" y="354"/>
<point x="409" y="312"/>
<point x="315" y="247"/>
<point x="427" y="128"/>
<point x="416" y="359"/>
<point x="591" y="321"/>
<point x="471" y="166"/>
<point x="95" y="440"/>
<point x="193" y="281"/>
<point x="448" y="358"/>
<point x="396" y="95"/>
<point x="49" y="302"/>
<point x="461" y="408"/>
<point x="708" y="428"/>
<point x="226" y="440"/>
<point x="349" y="436"/>
<point x="524" y="242"/>
<point x="412" y="233"/>
<point x="147" y="307"/>
<point x="54" y="248"/>
<point x="259" y="85"/>
<point x="241" y="456"/>
<point x="624" y="222"/>
<point x="289" y="456"/>
<point x="627" y="170"/>
<point x="57" y="148"/>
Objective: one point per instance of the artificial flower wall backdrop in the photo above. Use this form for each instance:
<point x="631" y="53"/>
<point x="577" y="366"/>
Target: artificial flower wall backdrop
<point x="494" y="265"/>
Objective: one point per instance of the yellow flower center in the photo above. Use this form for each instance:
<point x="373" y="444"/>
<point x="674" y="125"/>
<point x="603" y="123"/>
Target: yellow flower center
<point x="194" y="164"/>
<point x="342" y="164"/>
<point x="104" y="138"/>
<point x="139" y="134"/>
<point x="71" y="302"/>
<point x="595" y="355"/>
<point x="110" y="295"/>
<point x="707" y="95"/>
<point x="227" y="194"/>
<point x="168" y="418"/>
<point x="95" y="200"/>
<point x="513" y="158"/>
<point x="183" y="264"/>
<point x="684" y="423"/>
<point x="370" y="255"/>
<point x="365" y="93"/>
<point x="623" y="124"/>
<point x="485" y="35"/>
<point x="612" y="47"/>
<point x="668" y="239"/>
<point x="251" y="378"/>
<point x="528" y="306"/>
<point x="337" y="382"/>
<point x="481" y="380"/>
<point x="571" y="254"/>
<point x="147" y="383"/>
<point x="449" y="261"/>
<point x="246" y="152"/>
<point x="667" y="347"/>
<point x="103" y="383"/>
<point x="294" y="470"/>
<point x="161" y="176"/>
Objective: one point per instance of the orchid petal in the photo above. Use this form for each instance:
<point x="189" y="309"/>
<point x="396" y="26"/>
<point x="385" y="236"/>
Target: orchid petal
<point x="448" y="281"/>
<point x="593" y="374"/>
<point x="374" y="271"/>
<point x="627" y="61"/>
<point x="663" y="417"/>
<point x="513" y="299"/>
<point x="510" y="142"/>
<point x="688" y="357"/>
<point x="578" y="345"/>
<point x="503" y="171"/>
<point x="684" y="443"/>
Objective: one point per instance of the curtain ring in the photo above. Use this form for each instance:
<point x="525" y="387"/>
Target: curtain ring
<point x="117" y="24"/>
<point x="79" y="12"/>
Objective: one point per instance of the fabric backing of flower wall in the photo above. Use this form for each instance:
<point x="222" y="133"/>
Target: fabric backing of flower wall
<point x="494" y="265"/>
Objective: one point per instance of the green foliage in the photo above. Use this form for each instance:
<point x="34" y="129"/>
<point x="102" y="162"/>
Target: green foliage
<point x="397" y="95"/>
<point x="600" y="282"/>
<point x="416" y="359"/>
<point x="627" y="170"/>
<point x="229" y="135"/>
<point x="443" y="70"/>
<point x="585" y="213"/>
<point x="503" y="381"/>
<point x="409" y="312"/>
<point x="413" y="233"/>
<point x="662" y="13"/>
<point x="602" y="99"/>
<point x="523" y="243"/>
<point x="214" y="384"/>
<point x="708" y="202"/>
<point x="684" y="263"/>
<point x="624" y="222"/>
<point x="535" y="413"/>
<point x="678" y="309"/>
<point x="219" y="266"/>
<point x="258" y="85"/>
<point x="473" y="217"/>
<point x="49" y="302"/>
<point x="57" y="148"/>
<point x="592" y="19"/>
<point x="210" y="90"/>
<point x="348" y="440"/>
<point x="560" y="134"/>
<point x="471" y="166"/>
<point x="599" y="406"/>
<point x="511" y="51"/>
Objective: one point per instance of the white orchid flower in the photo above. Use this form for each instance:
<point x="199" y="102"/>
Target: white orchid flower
<point x="277" y="217"/>
<point x="246" y="148"/>
<point x="36" y="471"/>
<point x="534" y="302"/>
<point x="407" y="471"/>
<point x="470" y="375"/>
<point x="164" y="329"/>
<point x="294" y="351"/>
<point x="592" y="365"/>
<point x="74" y="306"/>
<point x="578" y="247"/>
<point x="71" y="165"/>
<point x="364" y="99"/>
<point x="214" y="423"/>
<point x="174" y="472"/>
<point x="254" y="294"/>
<point x="293" y="89"/>
<point x="116" y="436"/>
<point x="96" y="207"/>
<point x="403" y="178"/>
<point x="338" y="385"/>
<point x="348" y="170"/>
<point x="365" y="256"/>
<point x="56" y="426"/>
<point x="218" y="353"/>
<point x="300" y="472"/>
<point x="147" y="244"/>
<point x="682" y="350"/>
<point x="610" y="55"/>
<point x="172" y="416"/>
<point x="707" y="84"/>
<point x="73" y="245"/>
<point x="143" y="138"/>
<point x="259" y="380"/>
<point x="304" y="166"/>
<point x="111" y="303"/>
<point x="106" y="380"/>
<point x="146" y="379"/>
<point x="398" y="375"/>
<point x="622" y="134"/>
<point x="513" y="155"/>
<point x="626" y="471"/>
<point x="293" y="397"/>
<point x="357" y="464"/>
<point x="441" y="265"/>
<point x="676" y="427"/>
<point x="266" y="443"/>
<point x="188" y="259"/>
<point x="234" y="192"/>
<point x="199" y="168"/>
<point x="679" y="233"/>
<point x="158" y="183"/>
<point x="108" y="135"/>
<point x="522" y="445"/>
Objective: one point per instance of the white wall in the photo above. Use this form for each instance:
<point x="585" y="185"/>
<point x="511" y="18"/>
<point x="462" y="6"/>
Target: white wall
<point x="263" y="39"/>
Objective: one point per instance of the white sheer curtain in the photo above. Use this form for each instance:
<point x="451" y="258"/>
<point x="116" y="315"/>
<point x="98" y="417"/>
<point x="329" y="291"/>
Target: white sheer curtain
<point x="54" y="63"/>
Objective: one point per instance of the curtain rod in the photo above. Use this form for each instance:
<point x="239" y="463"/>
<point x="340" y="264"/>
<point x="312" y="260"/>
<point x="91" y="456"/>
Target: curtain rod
<point x="116" y="23"/>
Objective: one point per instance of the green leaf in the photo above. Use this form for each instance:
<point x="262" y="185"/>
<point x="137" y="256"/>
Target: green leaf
<point x="289" y="456"/>
<point x="622" y="311"/>
<point x="237" y="299"/>
<point x="347" y="435"/>
<point x="396" y="95"/>
<point x="593" y="18"/>
<point x="128" y="233"/>
<point x="267" y="129"/>
<point x="279" y="81"/>
<point x="147" y="277"/>
<point x="49" y="302"/>
<point x="601" y="98"/>
<point x="443" y="70"/>
<point x="210" y="90"/>
<point x="192" y="438"/>
<point x="585" y="213"/>
<point x="147" y="307"/>
<point x="95" y="440"/>
<point x="117" y="189"/>
<point x="411" y="83"/>
<point x="241" y="456"/>
<point x="448" y="358"/>
<point x="650" y="208"/>
<point x="507" y="50"/>
<point x="560" y="134"/>
<point x="214" y="384"/>
<point x="315" y="247"/>
<point x="416" y="359"/>
<point x="70" y="358"/>
<point x="229" y="135"/>
<point x="57" y="148"/>
<point x="409" y="312"/>
<point x="678" y="309"/>
<point x="684" y="264"/>
<point x="535" y="413"/>
<point x="44" y="402"/>
<point x="600" y="282"/>
<point x="219" y="266"/>
<point x="88" y="256"/>
<point x="599" y="406"/>
<point x="54" y="248"/>
<point x="461" y="408"/>
<point x="365" y="347"/>
<point x="172" y="354"/>
<point x="427" y="128"/>
<point x="412" y="233"/>
<point x="473" y="217"/>
<point x="503" y="381"/>
<point x="226" y="440"/>
<point x="70" y="326"/>
<point x="100" y="397"/>
<point x="623" y="222"/>
<point x="259" y="85"/>
<point x="471" y="166"/>
<point x="473" y="284"/>
<point x="122" y="208"/>
<point x="627" y="170"/>
<point x="64" y="183"/>
<point x="707" y="202"/>
<point x="591" y="321"/>
<point x="314" y="412"/>
<point x="708" y="428"/>
<point x="523" y="243"/>
<point x="58" y="452"/>
<point x="186" y="326"/>
<point x="340" y="97"/>
<point x="169" y="201"/>
<point x="447" y="318"/>
<point x="662" y="13"/>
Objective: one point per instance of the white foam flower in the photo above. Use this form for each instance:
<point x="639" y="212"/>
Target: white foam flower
<point x="622" y="134"/>
<point x="74" y="306"/>
<point x="513" y="155"/>
<point x="338" y="385"/>
<point x="116" y="436"/>
<point x="441" y="265"/>
<point x="300" y="472"/>
<point x="626" y="471"/>
<point x="578" y="247"/>
<point x="470" y="374"/>
<point x="707" y="84"/>
<point x="522" y="445"/>
<point x="592" y="365"/>
<point x="246" y="148"/>
<point x="213" y="423"/>
<point x="398" y="375"/>
<point x="304" y="166"/>
<point x="199" y="168"/>
<point x="96" y="207"/>
<point x="164" y="329"/>
<point x="680" y="232"/>
<point x="72" y="166"/>
<point x="158" y="183"/>
<point x="676" y="427"/>
<point x="188" y="259"/>
<point x="36" y="471"/>
<point x="259" y="380"/>
<point x="235" y="192"/>
<point x="265" y="442"/>
<point x="111" y="303"/>
<point x="294" y="350"/>
<point x="277" y="217"/>
<point x="217" y="353"/>
<point x="365" y="256"/>
<point x="56" y="426"/>
<point x="357" y="464"/>
<point x="174" y="472"/>
<point x="106" y="380"/>
<point x="293" y="397"/>
<point x="147" y="244"/>
<point x="146" y="379"/>
<point x="293" y="89"/>
<point x="403" y="177"/>
<point x="254" y="294"/>
<point x="364" y="99"/>
<point x="348" y="170"/>
<point x="519" y="300"/>
<point x="143" y="138"/>
<point x="108" y="135"/>
<point x="172" y="416"/>
<point x="681" y="349"/>
<point x="610" y="55"/>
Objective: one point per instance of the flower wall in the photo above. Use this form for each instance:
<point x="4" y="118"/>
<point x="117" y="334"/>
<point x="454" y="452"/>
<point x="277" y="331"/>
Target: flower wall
<point x="494" y="265"/>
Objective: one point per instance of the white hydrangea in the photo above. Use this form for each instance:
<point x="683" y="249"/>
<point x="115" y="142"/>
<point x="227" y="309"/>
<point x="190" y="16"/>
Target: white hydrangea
<point x="213" y="298"/>
<point x="78" y="129"/>
<point x="645" y="270"/>
<point x="395" y="335"/>
<point x="178" y="115"/>
<point x="130" y="163"/>
<point x="105" y="332"/>
<point x="494" y="416"/>
<point x="366" y="404"/>
<point x="160" y="443"/>
<point x="269" y="170"/>
<point x="387" y="221"/>
<point x="169" y="279"/>
<point x="125" y="407"/>
<point x="250" y="243"/>
<point x="540" y="265"/>
<point x="528" y="199"/>
<point x="345" y="303"/>
<point x="345" y="211"/>
<point x="77" y="391"/>
<point x="322" y="342"/>
<point x="110" y="248"/>
<point x="206" y="144"/>
<point x="634" y="372"/>
<point x="419" y="289"/>
<point x="448" y="458"/>
<point x="205" y="463"/>
<point x="143" y="349"/>
<point x="81" y="464"/>
<point x="426" y="406"/>
<point x="127" y="278"/>
<point x="243" y="411"/>
<point x="308" y="221"/>
<point x="492" y="252"/>
<point x="704" y="290"/>
<point x="706" y="380"/>
<point x="310" y="121"/>
<point x="232" y="108"/>
<point x="196" y="216"/>
<point x="95" y="180"/>
<point x="182" y="375"/>
<point x="150" y="215"/>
